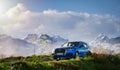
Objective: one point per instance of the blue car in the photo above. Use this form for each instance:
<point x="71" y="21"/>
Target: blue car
<point x="72" y="50"/>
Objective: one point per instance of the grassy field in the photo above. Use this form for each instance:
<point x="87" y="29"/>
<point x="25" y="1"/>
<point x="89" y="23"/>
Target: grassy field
<point x="45" y="62"/>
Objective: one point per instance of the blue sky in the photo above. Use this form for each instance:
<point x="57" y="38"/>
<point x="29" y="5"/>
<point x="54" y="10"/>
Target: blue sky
<point x="72" y="19"/>
<point x="91" y="6"/>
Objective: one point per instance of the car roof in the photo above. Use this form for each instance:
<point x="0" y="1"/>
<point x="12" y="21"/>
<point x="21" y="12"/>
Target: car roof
<point x="79" y="42"/>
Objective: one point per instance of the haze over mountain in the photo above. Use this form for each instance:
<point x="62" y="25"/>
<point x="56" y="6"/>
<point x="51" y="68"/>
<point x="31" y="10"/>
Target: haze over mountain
<point x="104" y="44"/>
<point x="32" y="44"/>
<point x="11" y="46"/>
<point x="45" y="44"/>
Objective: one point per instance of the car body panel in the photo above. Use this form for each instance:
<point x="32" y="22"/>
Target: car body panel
<point x="70" y="51"/>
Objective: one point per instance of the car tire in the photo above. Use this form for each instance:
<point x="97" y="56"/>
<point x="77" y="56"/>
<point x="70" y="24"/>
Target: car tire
<point x="58" y="59"/>
<point x="89" y="53"/>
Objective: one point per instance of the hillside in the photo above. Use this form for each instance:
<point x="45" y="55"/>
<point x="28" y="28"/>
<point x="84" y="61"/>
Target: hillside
<point x="45" y="62"/>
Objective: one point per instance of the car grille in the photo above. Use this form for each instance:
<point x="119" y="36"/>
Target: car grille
<point x="60" y="51"/>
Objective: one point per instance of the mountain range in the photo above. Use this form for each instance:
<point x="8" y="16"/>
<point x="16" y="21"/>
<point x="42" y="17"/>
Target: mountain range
<point x="102" y="38"/>
<point x="44" y="38"/>
<point x="44" y="44"/>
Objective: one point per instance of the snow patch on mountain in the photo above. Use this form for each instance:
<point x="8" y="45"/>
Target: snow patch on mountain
<point x="101" y="38"/>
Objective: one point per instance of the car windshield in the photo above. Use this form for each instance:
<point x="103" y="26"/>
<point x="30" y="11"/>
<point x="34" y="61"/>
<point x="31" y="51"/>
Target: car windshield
<point x="72" y="43"/>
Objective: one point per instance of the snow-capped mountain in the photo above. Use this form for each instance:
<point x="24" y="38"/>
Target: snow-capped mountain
<point x="11" y="46"/>
<point x="32" y="38"/>
<point x="51" y="39"/>
<point x="44" y="38"/>
<point x="44" y="42"/>
<point x="103" y="44"/>
<point x="102" y="38"/>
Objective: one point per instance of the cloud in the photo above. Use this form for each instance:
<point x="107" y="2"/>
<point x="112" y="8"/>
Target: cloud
<point x="19" y="20"/>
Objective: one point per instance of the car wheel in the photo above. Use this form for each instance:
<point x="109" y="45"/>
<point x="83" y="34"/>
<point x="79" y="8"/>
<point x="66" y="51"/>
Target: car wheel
<point x="89" y="53"/>
<point x="58" y="59"/>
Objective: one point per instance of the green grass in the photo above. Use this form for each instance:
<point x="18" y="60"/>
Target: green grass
<point x="45" y="62"/>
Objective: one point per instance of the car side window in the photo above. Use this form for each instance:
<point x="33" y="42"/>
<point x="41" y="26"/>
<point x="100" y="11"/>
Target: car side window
<point x="81" y="45"/>
<point x="85" y="45"/>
